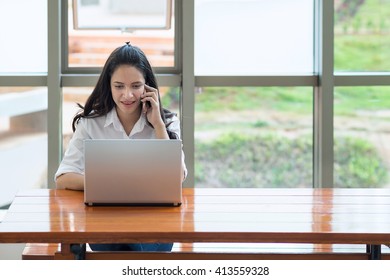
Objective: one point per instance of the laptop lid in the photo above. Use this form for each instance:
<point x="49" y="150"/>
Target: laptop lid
<point x="132" y="172"/>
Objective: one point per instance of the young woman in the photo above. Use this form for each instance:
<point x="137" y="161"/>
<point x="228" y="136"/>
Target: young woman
<point x="125" y="104"/>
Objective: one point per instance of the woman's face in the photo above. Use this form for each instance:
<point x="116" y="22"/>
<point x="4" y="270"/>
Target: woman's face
<point x="127" y="85"/>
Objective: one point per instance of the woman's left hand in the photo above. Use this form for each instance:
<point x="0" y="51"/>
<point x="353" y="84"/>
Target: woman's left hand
<point x="151" y="106"/>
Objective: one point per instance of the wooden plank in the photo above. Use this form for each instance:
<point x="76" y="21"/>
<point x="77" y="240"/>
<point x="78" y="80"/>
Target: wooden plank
<point x="323" y="216"/>
<point x="47" y="251"/>
<point x="220" y="256"/>
<point x="41" y="235"/>
<point x="40" y="251"/>
<point x="216" y="200"/>
<point x="325" y="192"/>
<point x="207" y="208"/>
<point x="164" y="218"/>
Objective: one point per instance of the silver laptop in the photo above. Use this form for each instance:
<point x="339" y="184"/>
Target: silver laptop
<point x="133" y="172"/>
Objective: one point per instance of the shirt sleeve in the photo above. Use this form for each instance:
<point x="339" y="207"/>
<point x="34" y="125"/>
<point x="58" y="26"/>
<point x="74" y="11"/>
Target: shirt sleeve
<point x="73" y="160"/>
<point x="175" y="128"/>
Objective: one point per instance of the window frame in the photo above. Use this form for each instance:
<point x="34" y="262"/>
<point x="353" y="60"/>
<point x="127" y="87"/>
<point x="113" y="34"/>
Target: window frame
<point x="323" y="80"/>
<point x="66" y="69"/>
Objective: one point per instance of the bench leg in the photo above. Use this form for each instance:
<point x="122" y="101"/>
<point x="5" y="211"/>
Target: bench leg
<point x="374" y="251"/>
<point x="78" y="250"/>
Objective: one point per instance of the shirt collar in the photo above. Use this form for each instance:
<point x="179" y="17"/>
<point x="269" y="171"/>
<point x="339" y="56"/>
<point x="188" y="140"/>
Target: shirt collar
<point x="112" y="118"/>
<point x="139" y="125"/>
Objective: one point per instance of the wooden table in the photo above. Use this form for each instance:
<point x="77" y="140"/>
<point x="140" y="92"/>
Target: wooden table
<point x="314" y="216"/>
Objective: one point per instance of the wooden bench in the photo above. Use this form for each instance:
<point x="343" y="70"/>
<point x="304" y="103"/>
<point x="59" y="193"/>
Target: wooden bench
<point x="47" y="251"/>
<point x="224" y="224"/>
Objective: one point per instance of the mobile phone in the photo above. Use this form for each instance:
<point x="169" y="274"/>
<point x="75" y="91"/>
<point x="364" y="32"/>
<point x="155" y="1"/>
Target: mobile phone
<point x="147" y="103"/>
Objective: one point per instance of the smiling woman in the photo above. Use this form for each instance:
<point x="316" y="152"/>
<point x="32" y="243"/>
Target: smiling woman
<point x="116" y="109"/>
<point x="112" y="113"/>
<point x="127" y="87"/>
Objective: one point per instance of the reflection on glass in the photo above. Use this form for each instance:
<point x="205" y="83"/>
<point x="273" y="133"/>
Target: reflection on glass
<point x="23" y="140"/>
<point x="91" y="48"/>
<point x="253" y="137"/>
<point x="122" y="14"/>
<point x="362" y="137"/>
<point x="246" y="37"/>
<point x="362" y="40"/>
<point x="23" y="29"/>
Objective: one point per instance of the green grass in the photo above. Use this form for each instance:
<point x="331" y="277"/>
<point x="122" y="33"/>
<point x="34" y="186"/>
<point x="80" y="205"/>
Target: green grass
<point x="251" y="98"/>
<point x="271" y="160"/>
<point x="362" y="41"/>
<point x="372" y="16"/>
<point x="347" y="100"/>
<point x="369" y="52"/>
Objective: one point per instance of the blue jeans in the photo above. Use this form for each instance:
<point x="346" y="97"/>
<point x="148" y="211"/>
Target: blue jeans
<point x="146" y="247"/>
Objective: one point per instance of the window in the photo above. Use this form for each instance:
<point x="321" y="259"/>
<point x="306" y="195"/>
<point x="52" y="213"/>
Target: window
<point x="23" y="140"/>
<point x="254" y="137"/>
<point x="256" y="50"/>
<point x="23" y="34"/>
<point x="91" y="48"/>
<point x="127" y="15"/>
<point x="362" y="139"/>
<point x="253" y="37"/>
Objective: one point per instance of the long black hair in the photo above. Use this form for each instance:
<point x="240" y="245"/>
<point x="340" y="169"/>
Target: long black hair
<point x="100" y="102"/>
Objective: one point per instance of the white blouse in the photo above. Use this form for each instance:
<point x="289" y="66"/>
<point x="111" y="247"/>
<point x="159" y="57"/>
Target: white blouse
<point x="106" y="127"/>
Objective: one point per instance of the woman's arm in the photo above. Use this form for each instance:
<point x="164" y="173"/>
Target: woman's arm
<point x="70" y="181"/>
<point x="69" y="174"/>
<point x="183" y="171"/>
<point x="161" y="133"/>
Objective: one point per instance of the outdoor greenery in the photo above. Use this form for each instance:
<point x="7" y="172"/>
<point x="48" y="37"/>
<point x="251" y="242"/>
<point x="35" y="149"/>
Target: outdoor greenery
<point x="234" y="160"/>
<point x="250" y="98"/>
<point x="357" y="163"/>
<point x="362" y="29"/>
<point x="226" y="155"/>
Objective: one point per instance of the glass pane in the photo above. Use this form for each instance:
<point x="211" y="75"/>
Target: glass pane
<point x="122" y="14"/>
<point x="23" y="33"/>
<point x="252" y="37"/>
<point x="362" y="40"/>
<point x="170" y="98"/>
<point x="254" y="137"/>
<point x="23" y="140"/>
<point x="91" y="48"/>
<point x="362" y="137"/>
